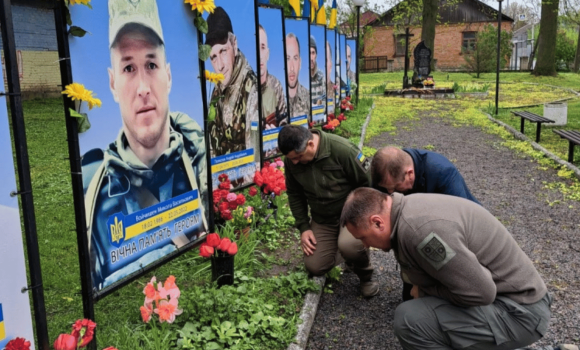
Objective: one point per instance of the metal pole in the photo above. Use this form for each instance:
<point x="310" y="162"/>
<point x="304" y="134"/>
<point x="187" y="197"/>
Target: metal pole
<point x="498" y="54"/>
<point x="358" y="55"/>
<point x="24" y="181"/>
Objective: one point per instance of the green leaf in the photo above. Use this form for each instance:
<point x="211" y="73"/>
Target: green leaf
<point x="77" y="31"/>
<point x="75" y="114"/>
<point x="211" y="114"/>
<point x="200" y="24"/>
<point x="213" y="346"/>
<point x="204" y="51"/>
<point x="68" y="19"/>
<point x="83" y="123"/>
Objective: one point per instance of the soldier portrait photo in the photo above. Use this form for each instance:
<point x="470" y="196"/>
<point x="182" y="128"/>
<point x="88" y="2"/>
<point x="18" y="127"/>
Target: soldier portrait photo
<point x="318" y="73"/>
<point x="350" y="64"/>
<point x="297" y="67"/>
<point x="330" y="73"/>
<point x="272" y="77"/>
<point x="144" y="158"/>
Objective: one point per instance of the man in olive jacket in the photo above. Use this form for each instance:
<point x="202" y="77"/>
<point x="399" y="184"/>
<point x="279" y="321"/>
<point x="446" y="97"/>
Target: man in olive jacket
<point x="321" y="170"/>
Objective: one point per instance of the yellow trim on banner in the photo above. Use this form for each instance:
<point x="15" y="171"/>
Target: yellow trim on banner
<point x="2" y="331"/>
<point x="160" y="219"/>
<point x="232" y="164"/>
<point x="270" y="137"/>
<point x="319" y="111"/>
<point x="300" y="122"/>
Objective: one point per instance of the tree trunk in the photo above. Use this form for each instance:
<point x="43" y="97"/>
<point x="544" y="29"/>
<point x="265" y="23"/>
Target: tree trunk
<point x="545" y="64"/>
<point x="577" y="58"/>
<point x="430" y="11"/>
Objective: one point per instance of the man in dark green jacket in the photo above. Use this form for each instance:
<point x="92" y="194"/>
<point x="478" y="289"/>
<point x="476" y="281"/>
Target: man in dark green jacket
<point x="321" y="170"/>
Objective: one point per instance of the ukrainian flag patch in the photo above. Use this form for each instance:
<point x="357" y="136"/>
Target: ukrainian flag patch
<point x="363" y="162"/>
<point x="2" y="329"/>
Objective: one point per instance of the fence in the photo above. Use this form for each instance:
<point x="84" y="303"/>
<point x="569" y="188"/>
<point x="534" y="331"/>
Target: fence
<point x="375" y="64"/>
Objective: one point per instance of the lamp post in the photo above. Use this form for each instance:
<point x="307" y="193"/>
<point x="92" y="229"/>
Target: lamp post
<point x="498" y="54"/>
<point x="358" y="4"/>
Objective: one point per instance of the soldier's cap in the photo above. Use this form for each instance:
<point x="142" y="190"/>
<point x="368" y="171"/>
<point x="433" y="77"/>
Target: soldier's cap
<point x="126" y="15"/>
<point x="219" y="25"/>
<point x="313" y="43"/>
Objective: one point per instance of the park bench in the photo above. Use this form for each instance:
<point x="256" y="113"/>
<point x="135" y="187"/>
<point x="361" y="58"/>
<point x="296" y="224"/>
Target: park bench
<point x="573" y="138"/>
<point x="534" y="118"/>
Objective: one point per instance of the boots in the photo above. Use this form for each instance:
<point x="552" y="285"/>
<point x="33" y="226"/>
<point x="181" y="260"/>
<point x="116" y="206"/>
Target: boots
<point x="368" y="287"/>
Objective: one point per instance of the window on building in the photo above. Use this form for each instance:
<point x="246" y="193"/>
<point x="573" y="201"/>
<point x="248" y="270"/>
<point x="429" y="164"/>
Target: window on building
<point x="400" y="45"/>
<point x="468" y="41"/>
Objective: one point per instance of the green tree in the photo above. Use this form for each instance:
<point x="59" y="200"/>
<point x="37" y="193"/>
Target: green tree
<point x="547" y="39"/>
<point x="571" y="16"/>
<point x="565" y="51"/>
<point x="483" y="57"/>
<point x="285" y="5"/>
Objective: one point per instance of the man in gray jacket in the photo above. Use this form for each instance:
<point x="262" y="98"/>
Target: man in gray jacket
<point x="473" y="286"/>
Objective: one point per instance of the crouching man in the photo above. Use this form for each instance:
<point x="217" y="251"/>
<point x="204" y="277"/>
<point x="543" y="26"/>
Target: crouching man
<point x="473" y="287"/>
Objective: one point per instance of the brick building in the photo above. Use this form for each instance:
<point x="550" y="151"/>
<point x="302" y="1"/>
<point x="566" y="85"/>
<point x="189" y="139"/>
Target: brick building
<point x="37" y="50"/>
<point x="457" y="28"/>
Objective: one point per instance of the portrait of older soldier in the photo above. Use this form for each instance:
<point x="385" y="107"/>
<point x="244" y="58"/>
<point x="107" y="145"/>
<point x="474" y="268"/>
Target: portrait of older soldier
<point x="349" y="73"/>
<point x="237" y="94"/>
<point x="274" y="109"/>
<point x="329" y="74"/>
<point x="299" y="95"/>
<point x="317" y="93"/>
<point x="157" y="155"/>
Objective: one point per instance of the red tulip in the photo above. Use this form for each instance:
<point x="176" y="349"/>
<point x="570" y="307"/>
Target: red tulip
<point x="213" y="240"/>
<point x="258" y="179"/>
<point x="18" y="344"/>
<point x="232" y="249"/>
<point x="65" y="342"/>
<point x="223" y="177"/>
<point x="225" y="244"/>
<point x="226" y="214"/>
<point x="266" y="164"/>
<point x="205" y="250"/>
<point x="240" y="199"/>
<point x="253" y="191"/>
<point x="225" y="185"/>
<point x="224" y="206"/>
<point x="84" y="330"/>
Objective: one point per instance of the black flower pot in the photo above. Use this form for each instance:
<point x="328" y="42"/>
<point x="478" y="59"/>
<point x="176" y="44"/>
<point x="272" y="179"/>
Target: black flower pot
<point x="222" y="270"/>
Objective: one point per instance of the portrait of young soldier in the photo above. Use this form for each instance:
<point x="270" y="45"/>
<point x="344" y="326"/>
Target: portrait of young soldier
<point x="274" y="109"/>
<point x="237" y="94"/>
<point x="329" y="74"/>
<point x="157" y="155"/>
<point x="299" y="95"/>
<point x="317" y="90"/>
<point x="349" y="73"/>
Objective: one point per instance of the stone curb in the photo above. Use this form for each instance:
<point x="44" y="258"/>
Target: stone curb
<point x="307" y="315"/>
<point x="364" y="128"/>
<point x="536" y="146"/>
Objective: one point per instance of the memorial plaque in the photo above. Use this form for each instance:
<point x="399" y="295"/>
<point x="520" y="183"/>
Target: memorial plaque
<point x="422" y="56"/>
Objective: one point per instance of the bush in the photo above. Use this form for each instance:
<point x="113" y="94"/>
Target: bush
<point x="483" y="58"/>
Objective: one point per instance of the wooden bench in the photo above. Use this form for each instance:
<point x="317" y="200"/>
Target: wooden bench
<point x="534" y="118"/>
<point x="573" y="138"/>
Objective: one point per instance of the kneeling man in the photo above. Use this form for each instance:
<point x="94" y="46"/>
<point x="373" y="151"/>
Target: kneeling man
<point x="473" y="286"/>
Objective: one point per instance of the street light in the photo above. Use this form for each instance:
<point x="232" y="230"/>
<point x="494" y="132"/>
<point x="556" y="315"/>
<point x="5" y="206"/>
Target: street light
<point x="358" y="4"/>
<point x="498" y="53"/>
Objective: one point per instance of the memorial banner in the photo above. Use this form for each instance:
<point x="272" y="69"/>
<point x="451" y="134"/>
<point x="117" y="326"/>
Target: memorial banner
<point x="343" y="75"/>
<point x="15" y="317"/>
<point x="331" y="75"/>
<point x="351" y="64"/>
<point x="298" y="68"/>
<point x="318" y="73"/>
<point x="273" y="84"/>
<point x="234" y="115"/>
<point x="144" y="160"/>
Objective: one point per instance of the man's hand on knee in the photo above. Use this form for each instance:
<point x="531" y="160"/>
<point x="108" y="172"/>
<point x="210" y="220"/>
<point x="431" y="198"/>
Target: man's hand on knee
<point x="308" y="242"/>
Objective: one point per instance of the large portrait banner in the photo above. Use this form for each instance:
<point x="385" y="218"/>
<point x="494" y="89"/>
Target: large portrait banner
<point x="331" y="71"/>
<point x="144" y="159"/>
<point x="318" y="74"/>
<point x="298" y="68"/>
<point x="351" y="64"/>
<point x="273" y="83"/>
<point x="343" y="78"/>
<point x="234" y="117"/>
<point x="15" y="317"/>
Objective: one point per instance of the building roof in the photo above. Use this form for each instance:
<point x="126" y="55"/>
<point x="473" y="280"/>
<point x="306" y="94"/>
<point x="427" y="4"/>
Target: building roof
<point x="469" y="11"/>
<point x="365" y="18"/>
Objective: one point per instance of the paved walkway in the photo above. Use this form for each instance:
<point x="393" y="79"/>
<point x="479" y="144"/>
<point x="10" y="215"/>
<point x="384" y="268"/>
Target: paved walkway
<point x="511" y="187"/>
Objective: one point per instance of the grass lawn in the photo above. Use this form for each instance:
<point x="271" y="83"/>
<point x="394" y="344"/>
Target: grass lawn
<point x="515" y="91"/>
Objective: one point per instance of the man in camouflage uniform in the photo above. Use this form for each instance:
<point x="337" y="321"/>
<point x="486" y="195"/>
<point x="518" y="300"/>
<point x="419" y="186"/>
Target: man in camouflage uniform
<point x="349" y="73"/>
<point x="330" y="93"/>
<point x="299" y="95"/>
<point x="158" y="155"/>
<point x="236" y="95"/>
<point x="274" y="109"/>
<point x="317" y="85"/>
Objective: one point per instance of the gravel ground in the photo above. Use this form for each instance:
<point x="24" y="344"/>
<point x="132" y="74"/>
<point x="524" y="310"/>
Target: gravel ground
<point x="510" y="187"/>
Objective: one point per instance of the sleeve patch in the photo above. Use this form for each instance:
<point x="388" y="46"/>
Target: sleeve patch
<point x="435" y="251"/>
<point x="363" y="162"/>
